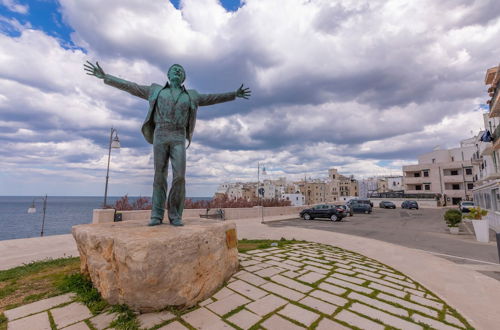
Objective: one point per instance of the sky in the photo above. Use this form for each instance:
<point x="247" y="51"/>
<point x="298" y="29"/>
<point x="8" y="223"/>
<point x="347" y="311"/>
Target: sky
<point x="362" y="86"/>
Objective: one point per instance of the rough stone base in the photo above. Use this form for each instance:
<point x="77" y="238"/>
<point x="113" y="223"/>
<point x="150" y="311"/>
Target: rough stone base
<point x="149" y="268"/>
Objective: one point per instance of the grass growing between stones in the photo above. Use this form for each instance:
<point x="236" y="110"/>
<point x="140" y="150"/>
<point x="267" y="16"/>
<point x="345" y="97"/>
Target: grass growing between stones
<point x="126" y="319"/>
<point x="34" y="281"/>
<point x="245" y="245"/>
<point x="85" y="292"/>
<point x="3" y="322"/>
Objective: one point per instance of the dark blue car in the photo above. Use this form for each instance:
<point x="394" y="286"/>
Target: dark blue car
<point x="409" y="205"/>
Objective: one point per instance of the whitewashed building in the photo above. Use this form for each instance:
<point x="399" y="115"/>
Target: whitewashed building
<point x="486" y="157"/>
<point x="295" y="199"/>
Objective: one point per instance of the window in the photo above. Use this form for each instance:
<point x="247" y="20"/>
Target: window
<point x="470" y="186"/>
<point x="416" y="175"/>
<point x="468" y="171"/>
<point x="452" y="158"/>
<point x="433" y="160"/>
<point x="426" y="173"/>
<point x="454" y="172"/>
<point x="496" y="197"/>
<point x="455" y="187"/>
<point x="419" y="187"/>
<point x="487" y="201"/>
<point x="427" y="187"/>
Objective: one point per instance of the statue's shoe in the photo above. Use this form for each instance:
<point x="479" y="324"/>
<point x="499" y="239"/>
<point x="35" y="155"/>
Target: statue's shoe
<point x="176" y="223"/>
<point x="154" y="222"/>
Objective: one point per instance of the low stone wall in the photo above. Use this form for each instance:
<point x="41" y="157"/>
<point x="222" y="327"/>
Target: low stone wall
<point x="424" y="203"/>
<point x="103" y="215"/>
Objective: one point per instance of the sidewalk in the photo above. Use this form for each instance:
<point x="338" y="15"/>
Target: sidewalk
<point x="471" y="293"/>
<point x="16" y="252"/>
<point x="295" y="286"/>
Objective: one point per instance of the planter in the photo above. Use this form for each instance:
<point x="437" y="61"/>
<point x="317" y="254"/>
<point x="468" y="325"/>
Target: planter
<point x="454" y="230"/>
<point x="482" y="230"/>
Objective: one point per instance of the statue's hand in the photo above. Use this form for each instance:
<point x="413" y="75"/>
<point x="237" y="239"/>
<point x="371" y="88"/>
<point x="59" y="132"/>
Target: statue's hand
<point x="243" y="92"/>
<point x="94" y="70"/>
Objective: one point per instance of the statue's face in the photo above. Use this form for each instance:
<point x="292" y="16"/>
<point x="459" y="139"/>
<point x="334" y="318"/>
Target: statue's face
<point x="176" y="72"/>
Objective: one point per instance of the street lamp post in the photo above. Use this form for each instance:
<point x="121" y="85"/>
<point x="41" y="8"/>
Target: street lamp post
<point x="114" y="142"/>
<point x="32" y="209"/>
<point x="258" y="190"/>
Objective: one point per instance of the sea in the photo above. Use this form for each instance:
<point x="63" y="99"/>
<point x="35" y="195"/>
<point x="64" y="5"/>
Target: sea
<point x="61" y="214"/>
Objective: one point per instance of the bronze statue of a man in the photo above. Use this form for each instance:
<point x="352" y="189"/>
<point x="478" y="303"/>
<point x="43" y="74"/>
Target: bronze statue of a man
<point x="170" y="121"/>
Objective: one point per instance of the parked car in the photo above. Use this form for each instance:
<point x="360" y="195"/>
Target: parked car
<point x="360" y="205"/>
<point x="365" y="201"/>
<point x="465" y="206"/>
<point x="332" y="212"/>
<point x="409" y="205"/>
<point x="387" y="205"/>
<point x="347" y="210"/>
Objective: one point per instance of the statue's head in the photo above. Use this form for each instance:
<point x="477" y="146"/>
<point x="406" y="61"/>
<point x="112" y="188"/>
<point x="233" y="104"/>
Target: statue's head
<point x="176" y="72"/>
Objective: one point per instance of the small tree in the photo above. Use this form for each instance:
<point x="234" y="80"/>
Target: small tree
<point x="453" y="217"/>
<point x="123" y="204"/>
<point x="476" y="213"/>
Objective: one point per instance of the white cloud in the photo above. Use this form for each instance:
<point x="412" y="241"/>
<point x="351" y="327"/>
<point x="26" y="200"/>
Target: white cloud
<point x="335" y="83"/>
<point x="15" y="6"/>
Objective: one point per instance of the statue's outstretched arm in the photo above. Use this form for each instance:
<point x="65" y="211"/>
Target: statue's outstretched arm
<point x="209" y="99"/>
<point x="141" y="91"/>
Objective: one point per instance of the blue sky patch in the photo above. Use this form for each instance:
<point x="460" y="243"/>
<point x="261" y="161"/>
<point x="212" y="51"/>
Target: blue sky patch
<point x="42" y="15"/>
<point x="230" y="5"/>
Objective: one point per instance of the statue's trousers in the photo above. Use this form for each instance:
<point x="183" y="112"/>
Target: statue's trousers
<point x="169" y="146"/>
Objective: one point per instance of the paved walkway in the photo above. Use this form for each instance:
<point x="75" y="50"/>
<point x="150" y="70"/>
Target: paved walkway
<point x="472" y="294"/>
<point x="293" y="287"/>
<point x="16" y="252"/>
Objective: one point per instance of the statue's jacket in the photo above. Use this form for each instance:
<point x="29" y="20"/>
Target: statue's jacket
<point x="151" y="93"/>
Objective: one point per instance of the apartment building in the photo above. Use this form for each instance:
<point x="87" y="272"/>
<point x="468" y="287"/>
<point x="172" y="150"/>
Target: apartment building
<point x="340" y="187"/>
<point x="394" y="182"/>
<point x="448" y="173"/>
<point x="314" y="191"/>
<point x="487" y="188"/>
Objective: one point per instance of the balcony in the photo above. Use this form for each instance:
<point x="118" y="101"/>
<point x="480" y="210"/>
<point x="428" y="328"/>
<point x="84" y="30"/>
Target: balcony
<point x="455" y="193"/>
<point x="496" y="139"/>
<point x="494" y="103"/>
<point x="476" y="159"/>
<point x="415" y="180"/>
<point x="453" y="178"/>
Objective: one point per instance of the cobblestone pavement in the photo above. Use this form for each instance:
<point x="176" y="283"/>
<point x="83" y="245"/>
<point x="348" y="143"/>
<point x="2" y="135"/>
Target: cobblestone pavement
<point x="297" y="286"/>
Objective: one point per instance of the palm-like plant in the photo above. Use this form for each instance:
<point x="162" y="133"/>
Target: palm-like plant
<point x="476" y="213"/>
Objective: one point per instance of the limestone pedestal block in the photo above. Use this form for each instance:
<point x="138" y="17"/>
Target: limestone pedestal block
<point x="149" y="268"/>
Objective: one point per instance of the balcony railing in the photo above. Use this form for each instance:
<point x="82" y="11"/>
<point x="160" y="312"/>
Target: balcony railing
<point x="415" y="180"/>
<point x="496" y="138"/>
<point x="476" y="159"/>
<point x="495" y="104"/>
<point x="453" y="178"/>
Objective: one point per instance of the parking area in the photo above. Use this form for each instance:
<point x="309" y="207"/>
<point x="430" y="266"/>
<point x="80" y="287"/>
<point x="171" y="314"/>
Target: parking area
<point x="422" y="229"/>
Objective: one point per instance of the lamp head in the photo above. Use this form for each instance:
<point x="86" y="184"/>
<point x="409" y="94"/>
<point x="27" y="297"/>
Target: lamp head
<point x="115" y="144"/>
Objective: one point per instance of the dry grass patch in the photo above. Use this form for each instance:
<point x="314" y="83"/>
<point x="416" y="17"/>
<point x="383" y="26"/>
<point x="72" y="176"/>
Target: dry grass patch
<point x="34" y="281"/>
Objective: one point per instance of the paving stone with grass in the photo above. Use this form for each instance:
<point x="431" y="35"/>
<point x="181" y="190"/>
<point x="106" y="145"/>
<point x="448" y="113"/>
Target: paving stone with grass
<point x="291" y="286"/>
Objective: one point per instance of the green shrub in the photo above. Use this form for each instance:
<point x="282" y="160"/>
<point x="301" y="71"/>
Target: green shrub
<point x="476" y="213"/>
<point x="453" y="217"/>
